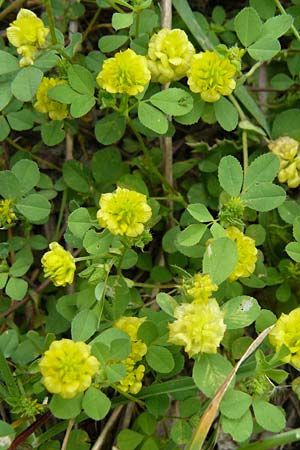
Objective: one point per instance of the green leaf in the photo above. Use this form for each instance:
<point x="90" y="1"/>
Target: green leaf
<point x="26" y="83"/>
<point x="269" y="417"/>
<point x="35" y="207"/>
<point x="7" y="433"/>
<point x="121" y="20"/>
<point x="109" y="44"/>
<point x="226" y="114"/>
<point x="78" y="439"/>
<point x="166" y="303"/>
<point x="52" y="133"/>
<point x="5" y="94"/>
<point x="230" y="174"/>
<point x="107" y="165"/>
<point x="4" y="128"/>
<point x="129" y="439"/>
<point x="199" y="212"/>
<point x="62" y="93"/>
<point x="191" y="235"/>
<point x="8" y="63"/>
<point x="281" y="81"/>
<point x="247" y="25"/>
<point x="289" y="211"/>
<point x="240" y="312"/>
<point x="16" y="288"/>
<point x="75" y="176"/>
<point x="293" y="250"/>
<point x="23" y="261"/>
<point x="173" y="101"/>
<point x="160" y="359"/>
<point x="21" y="120"/>
<point x="81" y="79"/>
<point x="9" y="185"/>
<point x="47" y="60"/>
<point x="235" y="404"/>
<point x="277" y="26"/>
<point x="110" y="129"/>
<point x="286" y="123"/>
<point x="210" y="371"/>
<point x="265" y="48"/>
<point x="264" y="196"/>
<point x="79" y="222"/>
<point x="81" y="105"/>
<point x="181" y="432"/>
<point x="265" y="9"/>
<point x="296" y="229"/>
<point x="95" y="404"/>
<point x="194" y="115"/>
<point x="152" y="118"/>
<point x="245" y="98"/>
<point x="27" y="173"/>
<point x="84" y="325"/>
<point x="262" y="169"/>
<point x="240" y="429"/>
<point x="63" y="408"/>
<point x="218" y="251"/>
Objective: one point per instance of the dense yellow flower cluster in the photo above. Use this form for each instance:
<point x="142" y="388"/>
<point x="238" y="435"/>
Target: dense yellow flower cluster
<point x="7" y="214"/>
<point x="134" y="372"/>
<point x="199" y="327"/>
<point x="125" y="73"/>
<point x="28" y="33"/>
<point x="169" y="55"/>
<point x="59" y="265"/>
<point x="67" y="368"/>
<point x="56" y="110"/>
<point x="288" y="150"/>
<point x="211" y="76"/>
<point x="287" y="332"/>
<point x="200" y="288"/>
<point x="124" y="212"/>
<point x="247" y="254"/>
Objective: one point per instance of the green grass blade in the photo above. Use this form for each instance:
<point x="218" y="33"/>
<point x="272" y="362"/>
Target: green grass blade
<point x="275" y="441"/>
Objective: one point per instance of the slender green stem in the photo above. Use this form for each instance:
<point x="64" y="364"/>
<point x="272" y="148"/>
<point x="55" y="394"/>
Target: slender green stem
<point x="51" y="21"/>
<point x="156" y="286"/>
<point x="91" y="24"/>
<point x="114" y="6"/>
<point x="250" y="73"/>
<point x="245" y="151"/>
<point x="67" y="435"/>
<point x="283" y="11"/>
<point x="61" y="214"/>
<point x="129" y="396"/>
<point x="274" y="441"/>
<point x="237" y="107"/>
<point x="87" y="258"/>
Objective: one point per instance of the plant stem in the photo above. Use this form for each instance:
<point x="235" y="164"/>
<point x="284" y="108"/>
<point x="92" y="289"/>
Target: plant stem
<point x="283" y="11"/>
<point x="91" y="24"/>
<point x="274" y="441"/>
<point x="245" y="151"/>
<point x="61" y="214"/>
<point x="14" y="5"/>
<point x="155" y="286"/>
<point x="67" y="435"/>
<point x="51" y="21"/>
<point x="109" y="424"/>
<point x="87" y="258"/>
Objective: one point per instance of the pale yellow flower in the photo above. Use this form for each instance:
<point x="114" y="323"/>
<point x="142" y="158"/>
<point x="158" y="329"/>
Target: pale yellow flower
<point x="59" y="265"/>
<point x="247" y="254"/>
<point x="288" y="150"/>
<point x="7" y="214"/>
<point x="28" y="33"/>
<point x="200" y="288"/>
<point x="67" y="368"/>
<point x="124" y="212"/>
<point x="287" y="332"/>
<point x="199" y="327"/>
<point x="132" y="383"/>
<point x="211" y="76"/>
<point x="125" y="73"/>
<point x="44" y="104"/>
<point x="284" y="147"/>
<point x="169" y="55"/>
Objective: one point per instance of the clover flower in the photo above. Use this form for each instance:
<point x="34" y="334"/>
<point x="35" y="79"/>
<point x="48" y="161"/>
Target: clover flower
<point x="28" y="33"/>
<point x="211" y="76"/>
<point x="67" y="368"/>
<point x="200" y="288"/>
<point x="169" y="55"/>
<point x="124" y="212"/>
<point x="7" y="214"/>
<point x="125" y="73"/>
<point x="134" y="372"/>
<point x="59" y="265"/>
<point x="199" y="327"/>
<point x="247" y="254"/>
<point x="287" y="332"/>
<point x="288" y="150"/>
<point x="56" y="110"/>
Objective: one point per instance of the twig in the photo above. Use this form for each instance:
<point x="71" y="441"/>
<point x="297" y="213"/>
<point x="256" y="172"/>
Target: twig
<point x="31" y="429"/>
<point x="67" y="434"/>
<point x="109" y="424"/>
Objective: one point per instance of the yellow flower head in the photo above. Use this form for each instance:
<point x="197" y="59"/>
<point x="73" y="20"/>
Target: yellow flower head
<point x="59" y="265"/>
<point x="169" y="55"/>
<point x="289" y="172"/>
<point x="7" y="214"/>
<point x="200" y="288"/>
<point x="125" y="73"/>
<point x="28" y="33"/>
<point x="132" y="383"/>
<point x="124" y="212"/>
<point x="211" y="76"/>
<point x="247" y="254"/>
<point x="199" y="327"/>
<point x="67" y="368"/>
<point x="56" y="110"/>
<point x="284" y="147"/>
<point x="287" y="332"/>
